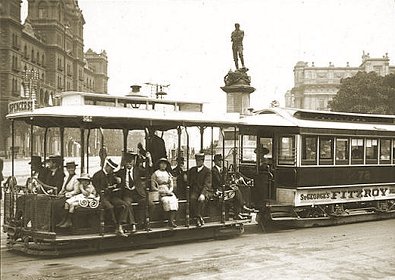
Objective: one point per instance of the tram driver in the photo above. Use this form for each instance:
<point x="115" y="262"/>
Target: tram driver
<point x="199" y="181"/>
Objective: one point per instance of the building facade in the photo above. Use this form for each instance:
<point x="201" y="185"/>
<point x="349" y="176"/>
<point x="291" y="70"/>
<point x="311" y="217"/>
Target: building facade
<point x="315" y="86"/>
<point x="41" y="57"/>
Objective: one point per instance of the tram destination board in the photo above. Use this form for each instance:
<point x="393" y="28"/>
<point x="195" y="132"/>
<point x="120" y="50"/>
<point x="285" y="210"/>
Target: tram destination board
<point x="344" y="194"/>
<point x="21" y="106"/>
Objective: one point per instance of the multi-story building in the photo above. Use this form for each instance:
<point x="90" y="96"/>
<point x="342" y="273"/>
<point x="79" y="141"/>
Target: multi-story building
<point x="43" y="56"/>
<point x="316" y="86"/>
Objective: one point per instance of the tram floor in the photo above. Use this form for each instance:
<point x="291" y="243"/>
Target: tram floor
<point x="352" y="251"/>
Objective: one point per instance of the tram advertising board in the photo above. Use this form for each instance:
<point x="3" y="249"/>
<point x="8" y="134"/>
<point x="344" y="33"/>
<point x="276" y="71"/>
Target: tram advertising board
<point x="26" y="105"/>
<point x="344" y="194"/>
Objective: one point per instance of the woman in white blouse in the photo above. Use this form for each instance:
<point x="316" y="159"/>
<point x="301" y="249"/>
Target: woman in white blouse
<point x="162" y="181"/>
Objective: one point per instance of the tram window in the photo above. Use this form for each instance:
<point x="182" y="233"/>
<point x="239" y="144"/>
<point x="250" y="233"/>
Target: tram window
<point x="342" y="155"/>
<point x="372" y="147"/>
<point x="356" y="151"/>
<point x="326" y="150"/>
<point x="249" y="145"/>
<point x="286" y="150"/>
<point x="385" y="151"/>
<point x="309" y="150"/>
<point x="265" y="151"/>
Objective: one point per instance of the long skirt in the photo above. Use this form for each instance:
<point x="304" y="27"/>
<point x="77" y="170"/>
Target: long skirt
<point x="170" y="203"/>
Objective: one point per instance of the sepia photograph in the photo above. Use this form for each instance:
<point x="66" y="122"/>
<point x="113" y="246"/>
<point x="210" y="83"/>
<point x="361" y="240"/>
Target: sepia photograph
<point x="197" y="139"/>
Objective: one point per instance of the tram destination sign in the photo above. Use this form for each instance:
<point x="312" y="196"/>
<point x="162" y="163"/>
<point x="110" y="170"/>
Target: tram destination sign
<point x="344" y="194"/>
<point x="26" y="105"/>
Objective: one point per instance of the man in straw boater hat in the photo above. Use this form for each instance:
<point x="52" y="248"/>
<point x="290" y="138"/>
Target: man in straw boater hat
<point x="199" y="180"/>
<point x="70" y="185"/>
<point x="105" y="183"/>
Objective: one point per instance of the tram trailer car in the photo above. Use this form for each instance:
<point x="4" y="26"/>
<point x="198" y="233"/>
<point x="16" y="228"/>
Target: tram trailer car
<point x="314" y="168"/>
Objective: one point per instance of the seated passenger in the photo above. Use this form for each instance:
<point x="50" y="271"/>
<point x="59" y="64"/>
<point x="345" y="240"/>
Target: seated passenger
<point x="39" y="171"/>
<point x="180" y="173"/>
<point x="106" y="184"/>
<point x="161" y="180"/>
<point x="55" y="174"/>
<point x="70" y="186"/>
<point x="86" y="197"/>
<point x="199" y="180"/>
<point x="231" y="191"/>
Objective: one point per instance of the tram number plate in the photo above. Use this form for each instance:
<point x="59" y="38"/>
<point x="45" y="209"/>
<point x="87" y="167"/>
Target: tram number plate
<point x="344" y="194"/>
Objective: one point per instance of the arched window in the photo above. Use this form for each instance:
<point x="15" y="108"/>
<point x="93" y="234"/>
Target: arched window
<point x="42" y="10"/>
<point x="42" y="60"/>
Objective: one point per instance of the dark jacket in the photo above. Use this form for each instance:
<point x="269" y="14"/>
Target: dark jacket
<point x="218" y="179"/>
<point x="54" y="179"/>
<point x="200" y="182"/>
<point x="102" y="181"/>
<point x="137" y="183"/>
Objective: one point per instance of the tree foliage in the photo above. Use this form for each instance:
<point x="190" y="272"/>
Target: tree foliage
<point x="366" y="93"/>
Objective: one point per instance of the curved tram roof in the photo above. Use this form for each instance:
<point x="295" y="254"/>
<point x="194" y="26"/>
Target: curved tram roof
<point x="305" y="121"/>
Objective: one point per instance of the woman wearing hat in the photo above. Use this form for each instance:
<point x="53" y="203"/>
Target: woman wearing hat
<point x="162" y="181"/>
<point x="86" y="192"/>
<point x="70" y="186"/>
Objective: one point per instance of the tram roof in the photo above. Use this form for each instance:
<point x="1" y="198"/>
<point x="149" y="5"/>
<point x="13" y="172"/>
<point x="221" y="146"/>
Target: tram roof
<point x="309" y="119"/>
<point x="95" y="116"/>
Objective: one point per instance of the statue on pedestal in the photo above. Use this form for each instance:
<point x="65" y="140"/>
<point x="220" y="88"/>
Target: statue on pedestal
<point x="237" y="45"/>
<point x="238" y="77"/>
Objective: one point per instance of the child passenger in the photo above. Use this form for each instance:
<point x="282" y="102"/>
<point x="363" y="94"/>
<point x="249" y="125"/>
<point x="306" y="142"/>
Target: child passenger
<point x="86" y="197"/>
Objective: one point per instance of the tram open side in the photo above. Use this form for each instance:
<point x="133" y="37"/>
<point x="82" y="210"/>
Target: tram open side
<point x="40" y="235"/>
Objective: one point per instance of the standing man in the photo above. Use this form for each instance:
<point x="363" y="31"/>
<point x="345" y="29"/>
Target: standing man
<point x="237" y="45"/>
<point x="199" y="180"/>
<point x="105" y="183"/>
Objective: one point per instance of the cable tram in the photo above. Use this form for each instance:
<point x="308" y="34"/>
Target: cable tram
<point x="315" y="168"/>
<point x="296" y="168"/>
<point x="33" y="210"/>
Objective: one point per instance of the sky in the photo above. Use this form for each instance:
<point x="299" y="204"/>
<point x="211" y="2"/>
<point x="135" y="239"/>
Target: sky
<point x="186" y="43"/>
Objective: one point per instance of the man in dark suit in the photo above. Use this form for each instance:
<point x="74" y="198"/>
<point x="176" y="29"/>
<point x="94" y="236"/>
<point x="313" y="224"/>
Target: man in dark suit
<point x="105" y="184"/>
<point x="232" y="192"/>
<point x="54" y="175"/>
<point x="133" y="189"/>
<point x="199" y="181"/>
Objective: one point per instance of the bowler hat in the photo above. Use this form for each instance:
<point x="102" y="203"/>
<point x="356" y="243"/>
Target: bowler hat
<point x="112" y="164"/>
<point x="35" y="160"/>
<point x="71" y="164"/>
<point x="218" y="157"/>
<point x="199" y="156"/>
<point x="129" y="156"/>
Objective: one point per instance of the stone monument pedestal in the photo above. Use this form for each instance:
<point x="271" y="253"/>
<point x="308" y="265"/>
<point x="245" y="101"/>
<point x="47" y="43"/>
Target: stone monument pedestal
<point x="238" y="90"/>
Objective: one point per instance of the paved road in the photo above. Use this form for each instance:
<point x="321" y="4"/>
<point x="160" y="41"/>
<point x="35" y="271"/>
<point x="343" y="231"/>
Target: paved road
<point x="355" y="251"/>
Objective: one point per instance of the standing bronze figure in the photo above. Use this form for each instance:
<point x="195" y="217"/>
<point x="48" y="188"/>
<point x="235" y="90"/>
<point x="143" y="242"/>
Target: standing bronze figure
<point x="237" y="45"/>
